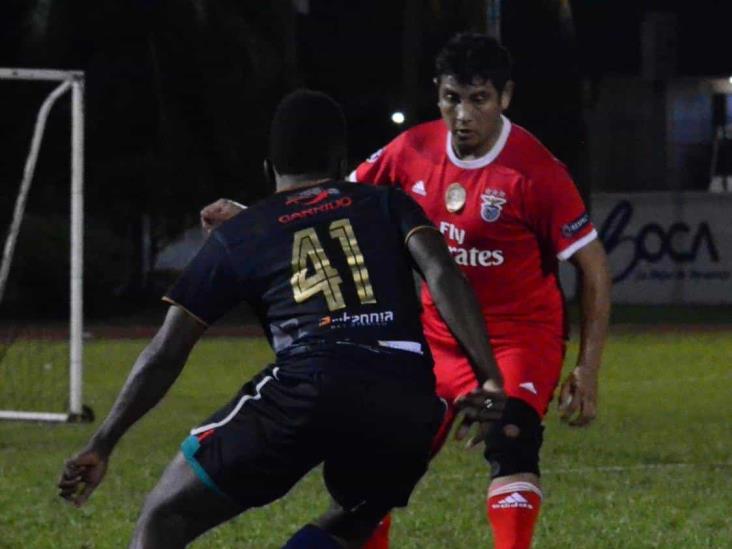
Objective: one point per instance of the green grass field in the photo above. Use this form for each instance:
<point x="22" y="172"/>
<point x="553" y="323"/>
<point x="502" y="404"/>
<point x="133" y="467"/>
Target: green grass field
<point x="654" y="471"/>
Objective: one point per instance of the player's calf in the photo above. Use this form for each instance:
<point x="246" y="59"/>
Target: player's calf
<point x="352" y="528"/>
<point x="512" y="510"/>
<point x="380" y="537"/>
<point x="514" y="497"/>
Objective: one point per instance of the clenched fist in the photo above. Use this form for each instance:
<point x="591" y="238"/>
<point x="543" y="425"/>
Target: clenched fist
<point x="217" y="212"/>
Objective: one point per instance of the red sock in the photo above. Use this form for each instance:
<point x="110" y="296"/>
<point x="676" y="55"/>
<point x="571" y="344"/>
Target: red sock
<point x="512" y="511"/>
<point x="380" y="538"/>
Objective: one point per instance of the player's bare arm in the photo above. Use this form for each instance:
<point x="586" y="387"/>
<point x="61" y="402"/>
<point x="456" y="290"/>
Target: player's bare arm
<point x="578" y="395"/>
<point x="455" y="300"/>
<point x="217" y="212"/>
<point x="155" y="370"/>
<point x="458" y="305"/>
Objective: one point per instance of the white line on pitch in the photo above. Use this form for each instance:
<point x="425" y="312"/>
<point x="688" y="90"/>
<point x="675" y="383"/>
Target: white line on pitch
<point x="637" y="467"/>
<point x="614" y="468"/>
<point x="678" y="380"/>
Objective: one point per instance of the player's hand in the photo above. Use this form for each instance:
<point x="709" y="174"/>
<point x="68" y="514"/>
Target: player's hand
<point x="482" y="406"/>
<point x="217" y="212"/>
<point x="81" y="475"/>
<point x="578" y="397"/>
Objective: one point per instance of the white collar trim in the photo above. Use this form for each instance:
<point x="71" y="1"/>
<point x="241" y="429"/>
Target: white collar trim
<point x="488" y="157"/>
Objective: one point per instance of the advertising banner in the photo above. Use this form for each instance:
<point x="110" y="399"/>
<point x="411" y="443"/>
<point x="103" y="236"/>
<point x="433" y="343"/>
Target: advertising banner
<point x="667" y="248"/>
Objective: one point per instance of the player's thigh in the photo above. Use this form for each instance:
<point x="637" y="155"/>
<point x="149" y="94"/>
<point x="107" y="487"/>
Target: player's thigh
<point x="531" y="366"/>
<point x="388" y="450"/>
<point x="530" y="361"/>
<point x="379" y="480"/>
<point x="353" y="526"/>
<point x="453" y="374"/>
<point x="454" y="377"/>
<point x="181" y="500"/>
<point x="254" y="449"/>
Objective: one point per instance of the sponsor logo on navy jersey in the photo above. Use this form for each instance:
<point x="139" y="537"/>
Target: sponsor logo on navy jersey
<point x="492" y="202"/>
<point x="342" y="202"/>
<point x="311" y="196"/>
<point x="573" y="227"/>
<point x="344" y="320"/>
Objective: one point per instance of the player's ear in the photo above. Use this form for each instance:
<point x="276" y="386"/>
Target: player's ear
<point x="342" y="168"/>
<point x="507" y="95"/>
<point x="269" y="174"/>
<point x="338" y="163"/>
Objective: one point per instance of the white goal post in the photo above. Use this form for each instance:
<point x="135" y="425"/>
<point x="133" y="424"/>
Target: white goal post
<point x="73" y="81"/>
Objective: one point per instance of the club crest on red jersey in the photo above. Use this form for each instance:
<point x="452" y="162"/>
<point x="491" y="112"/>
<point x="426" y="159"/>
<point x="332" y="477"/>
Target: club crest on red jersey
<point x="492" y="205"/>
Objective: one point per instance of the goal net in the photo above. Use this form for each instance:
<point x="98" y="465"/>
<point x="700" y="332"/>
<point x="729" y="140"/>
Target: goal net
<point x="42" y="248"/>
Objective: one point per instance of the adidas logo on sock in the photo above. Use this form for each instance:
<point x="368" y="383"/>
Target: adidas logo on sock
<point x="418" y="188"/>
<point x="511" y="501"/>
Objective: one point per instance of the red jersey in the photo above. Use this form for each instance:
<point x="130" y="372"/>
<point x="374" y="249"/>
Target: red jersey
<point x="508" y="217"/>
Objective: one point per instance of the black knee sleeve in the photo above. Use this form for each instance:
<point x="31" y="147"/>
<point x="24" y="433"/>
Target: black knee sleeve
<point x="511" y="455"/>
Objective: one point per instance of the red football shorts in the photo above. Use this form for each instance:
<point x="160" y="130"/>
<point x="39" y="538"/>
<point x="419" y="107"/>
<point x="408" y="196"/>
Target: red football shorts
<point x="529" y="357"/>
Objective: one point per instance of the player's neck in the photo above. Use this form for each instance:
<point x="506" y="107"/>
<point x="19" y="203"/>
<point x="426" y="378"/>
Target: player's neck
<point x="289" y="182"/>
<point x="479" y="150"/>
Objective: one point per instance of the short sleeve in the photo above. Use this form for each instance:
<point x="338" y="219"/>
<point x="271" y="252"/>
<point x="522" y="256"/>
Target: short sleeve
<point x="208" y="287"/>
<point x="409" y="215"/>
<point x="381" y="167"/>
<point x="558" y="214"/>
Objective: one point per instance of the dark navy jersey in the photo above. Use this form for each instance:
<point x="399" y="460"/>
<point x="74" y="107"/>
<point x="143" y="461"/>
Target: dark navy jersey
<point x="322" y="263"/>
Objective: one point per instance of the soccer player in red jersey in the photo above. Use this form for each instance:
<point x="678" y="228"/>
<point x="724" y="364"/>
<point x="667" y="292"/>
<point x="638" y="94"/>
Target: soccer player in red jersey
<point x="510" y="212"/>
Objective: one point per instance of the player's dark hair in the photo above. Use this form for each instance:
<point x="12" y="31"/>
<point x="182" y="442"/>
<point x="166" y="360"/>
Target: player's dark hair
<point x="308" y="134"/>
<point x="468" y="56"/>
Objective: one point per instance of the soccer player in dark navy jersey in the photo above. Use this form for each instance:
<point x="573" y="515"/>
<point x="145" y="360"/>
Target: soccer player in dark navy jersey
<point x="325" y="263"/>
<point x="327" y="266"/>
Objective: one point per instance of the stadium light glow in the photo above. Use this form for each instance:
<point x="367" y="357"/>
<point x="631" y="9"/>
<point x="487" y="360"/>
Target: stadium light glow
<point x="730" y="79"/>
<point x="398" y="117"/>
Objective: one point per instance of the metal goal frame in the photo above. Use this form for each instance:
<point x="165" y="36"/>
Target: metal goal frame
<point x="72" y="81"/>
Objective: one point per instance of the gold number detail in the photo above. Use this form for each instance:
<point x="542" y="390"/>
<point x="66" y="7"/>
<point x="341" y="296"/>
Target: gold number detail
<point x="306" y="248"/>
<point x="342" y="230"/>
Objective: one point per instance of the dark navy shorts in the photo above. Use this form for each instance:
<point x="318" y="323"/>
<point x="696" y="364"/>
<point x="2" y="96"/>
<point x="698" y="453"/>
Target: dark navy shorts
<point x="368" y="414"/>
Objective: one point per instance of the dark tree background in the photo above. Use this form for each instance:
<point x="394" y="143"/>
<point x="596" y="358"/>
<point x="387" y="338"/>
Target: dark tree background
<point x="178" y="100"/>
<point x="180" y="92"/>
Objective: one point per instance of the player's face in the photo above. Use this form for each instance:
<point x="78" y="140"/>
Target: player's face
<point x="472" y="113"/>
